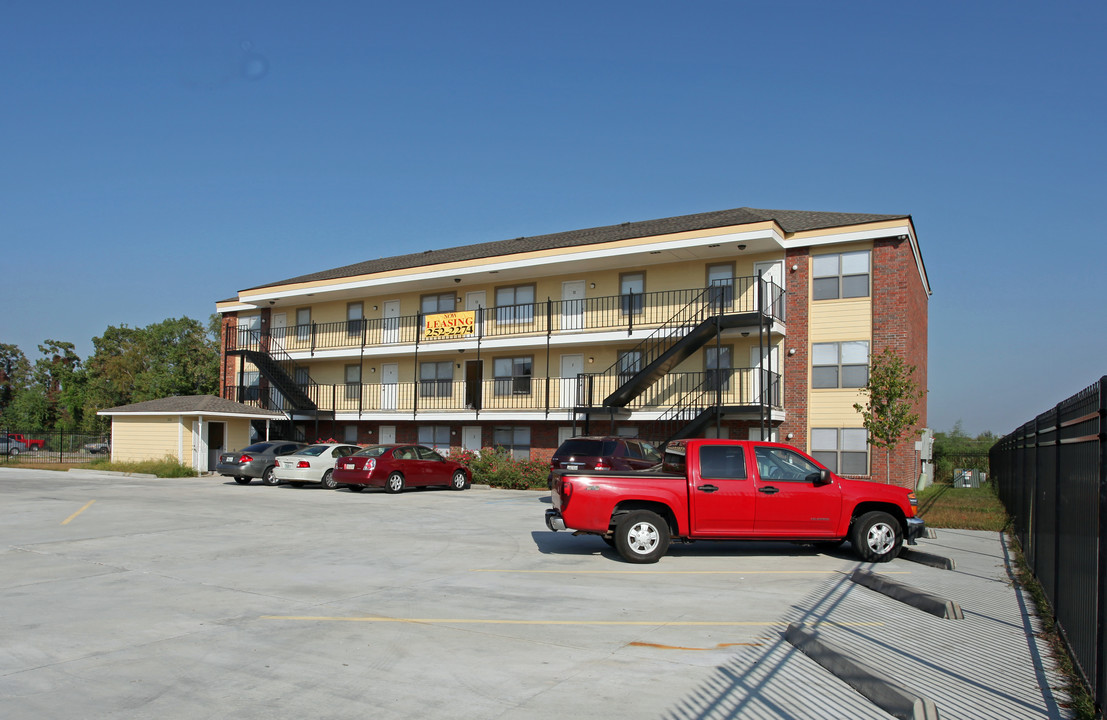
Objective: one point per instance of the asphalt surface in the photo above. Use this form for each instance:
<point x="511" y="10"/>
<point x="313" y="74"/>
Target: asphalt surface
<point x="145" y="598"/>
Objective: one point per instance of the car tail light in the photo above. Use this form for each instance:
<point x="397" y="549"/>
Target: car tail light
<point x="303" y="464"/>
<point x="370" y="464"/>
<point x="246" y="459"/>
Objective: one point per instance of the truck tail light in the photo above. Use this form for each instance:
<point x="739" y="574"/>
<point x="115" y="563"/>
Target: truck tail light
<point x="601" y="465"/>
<point x="566" y="492"/>
<point x="246" y="459"/>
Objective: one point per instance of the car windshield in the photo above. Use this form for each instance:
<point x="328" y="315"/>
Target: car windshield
<point x="313" y="450"/>
<point x="258" y="447"/>
<point x="374" y="451"/>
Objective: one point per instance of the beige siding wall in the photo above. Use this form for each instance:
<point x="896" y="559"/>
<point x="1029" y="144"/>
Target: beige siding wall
<point x="238" y="433"/>
<point x="135" y="439"/>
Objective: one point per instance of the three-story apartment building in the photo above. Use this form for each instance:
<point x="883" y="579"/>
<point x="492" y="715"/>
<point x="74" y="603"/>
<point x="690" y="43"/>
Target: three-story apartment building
<point x="737" y="323"/>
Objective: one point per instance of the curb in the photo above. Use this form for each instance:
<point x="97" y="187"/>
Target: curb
<point x="927" y="602"/>
<point x="889" y="696"/>
<point x="925" y="558"/>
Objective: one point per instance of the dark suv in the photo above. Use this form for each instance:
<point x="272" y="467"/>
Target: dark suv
<point x="605" y="452"/>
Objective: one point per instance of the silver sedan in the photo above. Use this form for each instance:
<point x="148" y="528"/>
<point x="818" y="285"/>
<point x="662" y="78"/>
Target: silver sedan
<point x="313" y="464"/>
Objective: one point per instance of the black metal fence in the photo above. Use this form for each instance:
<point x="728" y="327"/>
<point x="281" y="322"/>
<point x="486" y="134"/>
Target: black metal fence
<point x="1051" y="473"/>
<point x="53" y="446"/>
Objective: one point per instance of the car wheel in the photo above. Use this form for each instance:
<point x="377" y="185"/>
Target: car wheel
<point x="242" y="480"/>
<point x="13" y="451"/>
<point x="876" y="537"/>
<point x="269" y="477"/>
<point x="457" y="482"/>
<point x="395" y="483"/>
<point x="642" y="537"/>
<point x="355" y="488"/>
<point x="328" y="480"/>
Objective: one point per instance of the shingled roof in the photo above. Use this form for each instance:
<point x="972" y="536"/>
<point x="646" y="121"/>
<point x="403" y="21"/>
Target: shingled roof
<point x="191" y="405"/>
<point x="791" y="221"/>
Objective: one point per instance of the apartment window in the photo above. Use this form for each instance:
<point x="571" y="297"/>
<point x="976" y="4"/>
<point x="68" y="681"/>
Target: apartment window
<point x="717" y="368"/>
<point x="841" y="275"/>
<point x="436" y="379"/>
<point x="631" y="289"/>
<point x="440" y="303"/>
<point x="516" y="440"/>
<point x="436" y="437"/>
<point x="353" y="382"/>
<point x="720" y="278"/>
<point x="303" y="377"/>
<point x="249" y="330"/>
<point x="840" y="364"/>
<point x="355" y="322"/>
<point x="303" y="323"/>
<point x="512" y="375"/>
<point x="515" y="304"/>
<point x="630" y="363"/>
<point x="349" y="434"/>
<point x="842" y="450"/>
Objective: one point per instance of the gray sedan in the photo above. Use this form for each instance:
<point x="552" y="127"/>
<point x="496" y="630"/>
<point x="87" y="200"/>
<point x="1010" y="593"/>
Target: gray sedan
<point x="256" y="461"/>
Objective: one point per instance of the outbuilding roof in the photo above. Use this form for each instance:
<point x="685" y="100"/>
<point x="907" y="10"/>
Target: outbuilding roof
<point x="790" y="221"/>
<point x="207" y="405"/>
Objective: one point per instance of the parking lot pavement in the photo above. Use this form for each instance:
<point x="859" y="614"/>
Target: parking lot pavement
<point x="139" y="598"/>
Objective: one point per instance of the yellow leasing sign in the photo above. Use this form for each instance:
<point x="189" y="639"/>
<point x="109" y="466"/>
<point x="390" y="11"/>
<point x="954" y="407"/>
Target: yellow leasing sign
<point x="455" y="324"/>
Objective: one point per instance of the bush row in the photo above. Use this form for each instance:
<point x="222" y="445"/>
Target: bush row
<point x="496" y="467"/>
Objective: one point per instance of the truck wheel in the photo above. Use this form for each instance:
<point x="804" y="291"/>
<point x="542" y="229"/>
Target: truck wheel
<point x="876" y="537"/>
<point x="642" y="537"/>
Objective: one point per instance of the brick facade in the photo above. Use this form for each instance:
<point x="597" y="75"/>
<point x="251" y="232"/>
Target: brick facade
<point x="796" y="380"/>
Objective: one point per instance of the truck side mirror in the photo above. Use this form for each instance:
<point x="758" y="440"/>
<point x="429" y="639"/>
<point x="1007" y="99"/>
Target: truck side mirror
<point x="821" y="478"/>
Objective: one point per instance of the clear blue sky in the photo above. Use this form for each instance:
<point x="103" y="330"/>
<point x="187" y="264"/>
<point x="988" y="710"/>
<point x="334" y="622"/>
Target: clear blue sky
<point x="159" y="158"/>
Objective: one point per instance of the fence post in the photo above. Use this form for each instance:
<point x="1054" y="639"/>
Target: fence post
<point x="1101" y="620"/>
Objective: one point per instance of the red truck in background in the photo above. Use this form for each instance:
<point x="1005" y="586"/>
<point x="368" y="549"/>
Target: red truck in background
<point x="733" y="490"/>
<point x="27" y="442"/>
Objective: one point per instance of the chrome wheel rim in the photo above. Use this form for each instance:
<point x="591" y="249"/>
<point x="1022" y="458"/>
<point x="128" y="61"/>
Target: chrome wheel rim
<point x="395" y="482"/>
<point x="642" y="538"/>
<point x="459" y="480"/>
<point x="881" y="538"/>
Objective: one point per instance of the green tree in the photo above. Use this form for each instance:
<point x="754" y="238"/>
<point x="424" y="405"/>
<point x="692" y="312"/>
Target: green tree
<point x="15" y="374"/>
<point x="892" y="395"/>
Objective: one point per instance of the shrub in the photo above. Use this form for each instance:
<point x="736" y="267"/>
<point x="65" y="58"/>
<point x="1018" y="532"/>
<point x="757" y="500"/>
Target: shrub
<point x="496" y="467"/>
<point x="167" y="467"/>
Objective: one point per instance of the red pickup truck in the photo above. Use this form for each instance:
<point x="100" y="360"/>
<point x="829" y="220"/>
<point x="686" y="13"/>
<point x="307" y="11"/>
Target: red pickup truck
<point x="28" y="442"/>
<point x="733" y="490"/>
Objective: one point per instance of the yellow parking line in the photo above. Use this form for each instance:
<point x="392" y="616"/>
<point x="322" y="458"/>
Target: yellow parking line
<point x="86" y="507"/>
<point x="477" y="621"/>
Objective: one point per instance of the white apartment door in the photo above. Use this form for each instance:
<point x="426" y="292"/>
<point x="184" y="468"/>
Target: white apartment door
<point x="390" y="386"/>
<point x="278" y="327"/>
<point x="390" y="329"/>
<point x="762" y="359"/>
<point x="470" y="438"/>
<point x="199" y="447"/>
<point x="571" y="366"/>
<point x="771" y="272"/>
<point x="572" y="305"/>
<point x="477" y="300"/>
<point x="386" y="435"/>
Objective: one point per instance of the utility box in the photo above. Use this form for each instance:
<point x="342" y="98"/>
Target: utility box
<point x="969" y="478"/>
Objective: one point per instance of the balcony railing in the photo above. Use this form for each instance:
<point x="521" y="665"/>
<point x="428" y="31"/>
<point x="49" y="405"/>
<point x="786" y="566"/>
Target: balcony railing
<point x="737" y="387"/>
<point x="627" y="312"/>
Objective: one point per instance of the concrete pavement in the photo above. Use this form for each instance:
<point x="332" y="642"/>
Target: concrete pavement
<point x="134" y="597"/>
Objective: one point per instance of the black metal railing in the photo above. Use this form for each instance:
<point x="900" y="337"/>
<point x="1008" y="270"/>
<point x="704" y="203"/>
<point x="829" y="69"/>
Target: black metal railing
<point x="629" y="312"/>
<point x="53" y="446"/>
<point x="1051" y="474"/>
<point x="292" y="383"/>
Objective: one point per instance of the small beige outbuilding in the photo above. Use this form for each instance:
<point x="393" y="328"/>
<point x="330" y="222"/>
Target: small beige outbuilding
<point x="193" y="429"/>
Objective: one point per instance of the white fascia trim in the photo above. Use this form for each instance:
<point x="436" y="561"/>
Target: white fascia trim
<point x="860" y="235"/>
<point x="193" y="414"/>
<point x="261" y="297"/>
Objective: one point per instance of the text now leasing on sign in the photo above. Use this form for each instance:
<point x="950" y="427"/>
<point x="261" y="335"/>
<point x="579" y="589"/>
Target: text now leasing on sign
<point x="454" y="324"/>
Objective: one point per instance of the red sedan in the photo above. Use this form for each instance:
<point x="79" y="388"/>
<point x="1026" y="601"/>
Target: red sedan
<point x="395" y="467"/>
